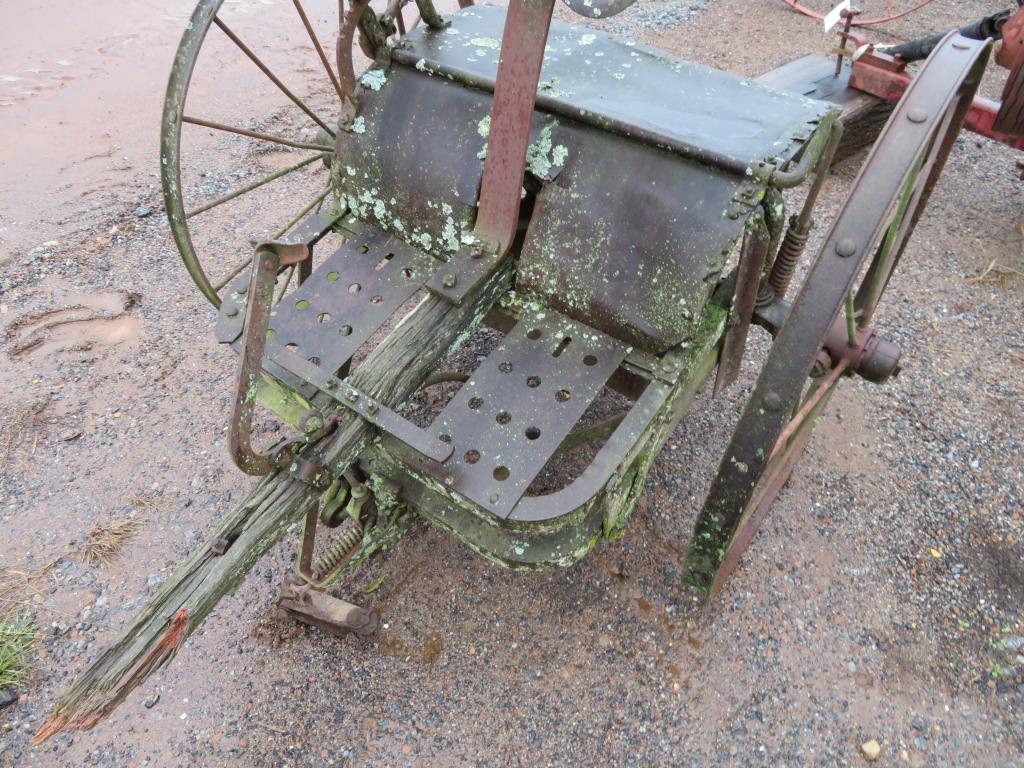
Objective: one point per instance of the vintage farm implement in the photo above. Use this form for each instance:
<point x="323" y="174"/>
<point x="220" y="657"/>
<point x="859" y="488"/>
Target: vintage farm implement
<point x="614" y="214"/>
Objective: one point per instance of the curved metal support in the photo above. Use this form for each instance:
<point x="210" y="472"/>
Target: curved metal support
<point x="268" y="261"/>
<point x="919" y="135"/>
<point x="817" y="155"/>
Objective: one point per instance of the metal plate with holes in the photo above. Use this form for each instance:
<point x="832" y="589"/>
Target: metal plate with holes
<point x="509" y="418"/>
<point x="349" y="296"/>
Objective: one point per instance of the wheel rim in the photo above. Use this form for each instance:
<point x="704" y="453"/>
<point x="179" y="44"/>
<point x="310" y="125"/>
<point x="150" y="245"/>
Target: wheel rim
<point x="867" y="238"/>
<point x="210" y="276"/>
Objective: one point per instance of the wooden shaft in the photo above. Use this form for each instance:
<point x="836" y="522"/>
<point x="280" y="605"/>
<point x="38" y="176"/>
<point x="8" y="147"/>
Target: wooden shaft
<point x="391" y="373"/>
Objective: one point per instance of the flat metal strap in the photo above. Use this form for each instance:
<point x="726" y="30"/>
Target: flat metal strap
<point x="350" y="296"/>
<point x="513" y="413"/>
<point x="372" y="410"/>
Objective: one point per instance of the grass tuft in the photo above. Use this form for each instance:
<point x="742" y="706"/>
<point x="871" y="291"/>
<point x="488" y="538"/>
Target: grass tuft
<point x="16" y="637"/>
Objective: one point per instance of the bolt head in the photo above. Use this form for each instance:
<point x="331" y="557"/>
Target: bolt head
<point x="372" y="408"/>
<point x="449" y="280"/>
<point x="846" y="247"/>
<point x="352" y="395"/>
<point x="917" y="115"/>
<point x="772" y="401"/>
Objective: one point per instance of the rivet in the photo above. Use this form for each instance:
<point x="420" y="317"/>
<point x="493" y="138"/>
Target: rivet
<point x="352" y="395"/>
<point x="733" y="215"/>
<point x="449" y="280"/>
<point x="494" y="498"/>
<point x="772" y="401"/>
<point x="330" y="384"/>
<point x="846" y="247"/>
<point x="960" y="46"/>
<point x="232" y="312"/>
<point x="917" y="115"/>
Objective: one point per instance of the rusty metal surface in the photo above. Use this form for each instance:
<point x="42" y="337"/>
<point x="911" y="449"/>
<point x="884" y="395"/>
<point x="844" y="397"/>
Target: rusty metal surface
<point x="522" y="54"/>
<point x="748" y="279"/>
<point x="910" y="154"/>
<point x="646" y="94"/>
<point x="331" y="614"/>
<point x="518" y="406"/>
<point x="1010" y="118"/>
<point x="411" y="163"/>
<point x="628" y="236"/>
<point x="268" y="259"/>
<point x="351" y="295"/>
<point x="370" y="409"/>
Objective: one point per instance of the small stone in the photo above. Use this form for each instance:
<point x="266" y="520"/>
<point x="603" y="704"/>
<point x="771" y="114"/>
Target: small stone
<point x="872" y="750"/>
<point x="143" y="210"/>
<point x="151" y="701"/>
<point x="7" y="697"/>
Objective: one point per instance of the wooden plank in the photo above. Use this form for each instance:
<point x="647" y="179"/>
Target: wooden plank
<point x="391" y="373"/>
<point x="813" y="76"/>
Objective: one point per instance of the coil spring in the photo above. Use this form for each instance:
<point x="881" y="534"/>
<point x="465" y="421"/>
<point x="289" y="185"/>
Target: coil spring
<point x="341" y="550"/>
<point x="790" y="251"/>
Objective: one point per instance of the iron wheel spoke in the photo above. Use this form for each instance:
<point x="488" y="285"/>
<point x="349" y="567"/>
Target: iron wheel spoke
<point x="250" y="187"/>
<point x="254" y="134"/>
<point x="273" y="78"/>
<point x="319" y="48"/>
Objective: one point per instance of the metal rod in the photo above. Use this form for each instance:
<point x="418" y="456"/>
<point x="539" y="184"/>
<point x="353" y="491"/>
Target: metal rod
<point x="284" y="288"/>
<point x="319" y="49"/>
<point x="255" y="134"/>
<point x="235" y="270"/>
<point x="808" y="406"/>
<point x="249" y="187"/>
<point x="302" y="213"/>
<point x="851" y="321"/>
<point x="233" y="273"/>
<point x="273" y="78"/>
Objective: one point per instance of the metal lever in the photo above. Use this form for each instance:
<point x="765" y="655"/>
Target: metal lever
<point x="270" y="257"/>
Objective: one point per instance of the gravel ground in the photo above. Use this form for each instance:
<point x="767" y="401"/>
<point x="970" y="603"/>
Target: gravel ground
<point x="882" y="598"/>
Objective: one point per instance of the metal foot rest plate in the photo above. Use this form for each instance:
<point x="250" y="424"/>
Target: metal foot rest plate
<point x="507" y="421"/>
<point x="350" y="296"/>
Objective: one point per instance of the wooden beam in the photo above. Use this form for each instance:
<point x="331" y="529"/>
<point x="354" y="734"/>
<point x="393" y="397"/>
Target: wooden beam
<point x="391" y="373"/>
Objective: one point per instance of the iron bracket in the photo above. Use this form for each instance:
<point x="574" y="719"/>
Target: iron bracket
<point x="368" y="408"/>
<point x="465" y="271"/>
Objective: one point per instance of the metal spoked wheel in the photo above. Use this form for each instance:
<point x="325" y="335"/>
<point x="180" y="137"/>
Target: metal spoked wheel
<point x="287" y="166"/>
<point x="828" y="331"/>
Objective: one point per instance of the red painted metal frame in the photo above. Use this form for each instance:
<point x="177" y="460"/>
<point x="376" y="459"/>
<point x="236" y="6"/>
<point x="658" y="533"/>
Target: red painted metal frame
<point x="883" y="76"/>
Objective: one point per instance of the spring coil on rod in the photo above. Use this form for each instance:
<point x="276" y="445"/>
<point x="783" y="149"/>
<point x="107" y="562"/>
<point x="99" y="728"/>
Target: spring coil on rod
<point x="790" y="252"/>
<point x="345" y="547"/>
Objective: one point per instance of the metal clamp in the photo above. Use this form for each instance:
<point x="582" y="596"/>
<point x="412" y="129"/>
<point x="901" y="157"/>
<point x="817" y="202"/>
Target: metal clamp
<point x="367" y="407"/>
